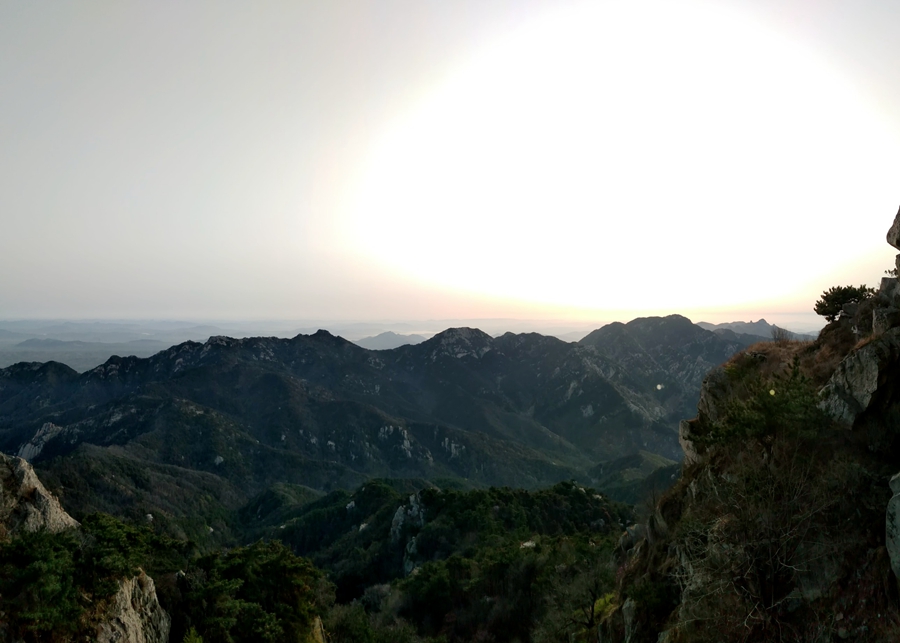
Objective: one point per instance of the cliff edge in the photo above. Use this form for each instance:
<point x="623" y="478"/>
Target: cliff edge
<point x="785" y="525"/>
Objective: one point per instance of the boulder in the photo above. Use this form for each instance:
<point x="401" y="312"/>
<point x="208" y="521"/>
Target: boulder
<point x="135" y="615"/>
<point x="893" y="235"/>
<point x="25" y="504"/>
<point x="857" y="378"/>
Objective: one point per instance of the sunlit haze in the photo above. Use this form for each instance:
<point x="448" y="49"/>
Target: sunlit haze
<point x="581" y="161"/>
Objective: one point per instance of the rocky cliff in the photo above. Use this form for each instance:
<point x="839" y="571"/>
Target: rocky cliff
<point x="25" y="505"/>
<point x="784" y="525"/>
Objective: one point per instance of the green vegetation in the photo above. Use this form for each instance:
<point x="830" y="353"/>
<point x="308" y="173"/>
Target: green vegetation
<point x="397" y="561"/>
<point x="783" y="405"/>
<point x="38" y="585"/>
<point x="47" y="580"/>
<point x="835" y="298"/>
<point x="258" y="593"/>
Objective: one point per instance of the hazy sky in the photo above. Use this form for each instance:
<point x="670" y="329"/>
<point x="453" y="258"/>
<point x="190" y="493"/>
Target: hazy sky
<point x="421" y="159"/>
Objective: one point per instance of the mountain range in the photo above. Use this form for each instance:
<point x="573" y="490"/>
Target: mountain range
<point x="198" y="428"/>
<point x="760" y="329"/>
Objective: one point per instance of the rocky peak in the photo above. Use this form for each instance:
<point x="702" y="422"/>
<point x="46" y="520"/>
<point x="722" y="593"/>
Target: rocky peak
<point x="460" y="342"/>
<point x="325" y="337"/>
<point x="25" y="504"/>
<point x="135" y="615"/>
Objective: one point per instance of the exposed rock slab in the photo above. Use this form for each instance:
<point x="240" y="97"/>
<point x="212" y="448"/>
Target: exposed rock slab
<point x="25" y="504"/>
<point x="135" y="615"/>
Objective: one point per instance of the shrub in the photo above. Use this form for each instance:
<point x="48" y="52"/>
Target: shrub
<point x="782" y="406"/>
<point x="836" y="297"/>
<point x="781" y="335"/>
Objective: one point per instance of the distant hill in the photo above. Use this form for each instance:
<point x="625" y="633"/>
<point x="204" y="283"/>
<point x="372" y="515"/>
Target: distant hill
<point x="388" y="340"/>
<point x="761" y="329"/>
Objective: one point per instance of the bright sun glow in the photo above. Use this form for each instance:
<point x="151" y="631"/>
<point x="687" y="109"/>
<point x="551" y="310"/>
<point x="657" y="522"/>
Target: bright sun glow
<point x="625" y="155"/>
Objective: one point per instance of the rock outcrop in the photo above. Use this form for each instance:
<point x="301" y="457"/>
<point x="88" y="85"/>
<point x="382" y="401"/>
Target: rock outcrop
<point x="25" y="504"/>
<point x="135" y="615"/>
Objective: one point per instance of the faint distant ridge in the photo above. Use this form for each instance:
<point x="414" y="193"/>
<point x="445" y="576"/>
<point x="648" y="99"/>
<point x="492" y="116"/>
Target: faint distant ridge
<point x="761" y="329"/>
<point x="388" y="340"/>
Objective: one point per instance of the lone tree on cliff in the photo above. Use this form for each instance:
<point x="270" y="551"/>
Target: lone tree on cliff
<point x="834" y="299"/>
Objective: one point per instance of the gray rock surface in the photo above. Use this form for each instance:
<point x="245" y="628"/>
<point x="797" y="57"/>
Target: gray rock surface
<point x="853" y="385"/>
<point x="135" y="615"/>
<point x="25" y="504"/>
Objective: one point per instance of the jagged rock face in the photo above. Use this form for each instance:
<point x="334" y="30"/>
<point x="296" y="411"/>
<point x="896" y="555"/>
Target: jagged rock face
<point x="25" y="505"/>
<point x="135" y="615"/>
